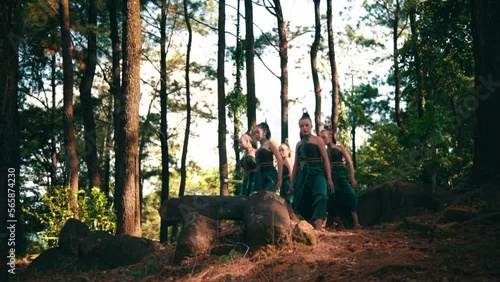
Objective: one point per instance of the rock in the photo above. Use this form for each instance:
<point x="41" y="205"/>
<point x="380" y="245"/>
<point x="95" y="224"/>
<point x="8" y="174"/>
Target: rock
<point x="116" y="251"/>
<point x="196" y="238"/>
<point x="72" y="233"/>
<point x="303" y="232"/>
<point x="52" y="260"/>
<point x="92" y="244"/>
<point x="217" y="207"/>
<point x="457" y="214"/>
<point x="267" y="219"/>
<point x="391" y="200"/>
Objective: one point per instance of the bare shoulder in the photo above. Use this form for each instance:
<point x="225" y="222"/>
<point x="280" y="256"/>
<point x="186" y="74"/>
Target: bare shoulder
<point x="340" y="148"/>
<point x="273" y="142"/>
<point x="316" y="140"/>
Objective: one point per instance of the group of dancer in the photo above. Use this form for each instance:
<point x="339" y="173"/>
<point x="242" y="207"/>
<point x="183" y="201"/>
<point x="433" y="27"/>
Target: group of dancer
<point x="316" y="183"/>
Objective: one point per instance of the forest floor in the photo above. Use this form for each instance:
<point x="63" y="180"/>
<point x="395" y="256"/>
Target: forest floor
<point x="414" y="249"/>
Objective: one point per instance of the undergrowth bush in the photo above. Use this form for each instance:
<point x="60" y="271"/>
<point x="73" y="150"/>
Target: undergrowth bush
<point x="93" y="209"/>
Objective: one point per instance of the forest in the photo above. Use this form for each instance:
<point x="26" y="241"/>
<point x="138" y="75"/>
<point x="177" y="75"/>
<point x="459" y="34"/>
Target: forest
<point x="112" y="108"/>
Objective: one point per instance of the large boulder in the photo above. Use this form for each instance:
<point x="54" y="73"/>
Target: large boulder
<point x="176" y="209"/>
<point x="267" y="219"/>
<point x="115" y="251"/>
<point x="71" y="235"/>
<point x="393" y="200"/>
<point x="197" y="236"/>
<point x="81" y="248"/>
<point x="92" y="245"/>
<point x="52" y="260"/>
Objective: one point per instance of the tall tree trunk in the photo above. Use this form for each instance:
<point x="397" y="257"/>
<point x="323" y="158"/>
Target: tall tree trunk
<point x="333" y="67"/>
<point x="127" y="178"/>
<point x="486" y="40"/>
<point x="353" y="143"/>
<point x="115" y="87"/>
<point x="417" y="53"/>
<point x="354" y="125"/>
<point x="221" y="97"/>
<point x="9" y="134"/>
<point x="283" y="47"/>
<point x="249" y="56"/>
<point x="397" y="74"/>
<point x="90" y="132"/>
<point x="69" y="134"/>
<point x="53" y="145"/>
<point x="235" y="109"/>
<point x="182" y="186"/>
<point x="106" y="155"/>
<point x="165" y="174"/>
<point x="314" y="68"/>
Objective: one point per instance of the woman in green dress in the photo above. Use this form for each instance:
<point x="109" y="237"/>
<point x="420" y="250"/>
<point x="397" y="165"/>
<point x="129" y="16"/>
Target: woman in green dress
<point x="310" y="180"/>
<point x="248" y="163"/>
<point x="344" y="201"/>
<point x="286" y="154"/>
<point x="267" y="178"/>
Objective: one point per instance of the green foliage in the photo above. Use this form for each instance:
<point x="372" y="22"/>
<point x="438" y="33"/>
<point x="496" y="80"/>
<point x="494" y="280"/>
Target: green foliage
<point x="54" y="211"/>
<point x="95" y="211"/>
<point x="229" y="257"/>
<point x="150" y="218"/>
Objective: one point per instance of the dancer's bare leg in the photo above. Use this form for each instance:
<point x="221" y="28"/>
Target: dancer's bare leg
<point x="318" y="224"/>
<point x="355" y="220"/>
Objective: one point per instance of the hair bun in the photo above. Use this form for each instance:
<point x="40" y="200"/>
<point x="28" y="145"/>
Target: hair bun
<point x="305" y="114"/>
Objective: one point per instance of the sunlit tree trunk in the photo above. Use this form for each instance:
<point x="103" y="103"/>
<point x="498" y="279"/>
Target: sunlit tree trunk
<point x="333" y="67"/>
<point x="486" y="41"/>
<point x="165" y="174"/>
<point x="314" y="67"/>
<point x="235" y="105"/>
<point x="221" y="94"/>
<point x="250" y="67"/>
<point x="9" y="136"/>
<point x="53" y="145"/>
<point x="90" y="132"/>
<point x="417" y="54"/>
<point x="69" y="134"/>
<point x="106" y="154"/>
<point x="127" y="177"/>
<point x="182" y="186"/>
<point x="115" y="87"/>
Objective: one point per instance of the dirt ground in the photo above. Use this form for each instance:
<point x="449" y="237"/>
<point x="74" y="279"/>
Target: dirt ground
<point x="414" y="249"/>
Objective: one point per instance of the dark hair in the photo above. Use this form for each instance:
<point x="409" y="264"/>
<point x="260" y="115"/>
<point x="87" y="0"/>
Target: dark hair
<point x="265" y="127"/>
<point x="331" y="132"/>
<point x="305" y="114"/>
<point x="252" y="140"/>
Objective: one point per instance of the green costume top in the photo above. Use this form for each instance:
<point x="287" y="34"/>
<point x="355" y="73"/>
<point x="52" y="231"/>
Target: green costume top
<point x="340" y="175"/>
<point x="335" y="155"/>
<point x="310" y="192"/>
<point x="249" y="165"/>
<point x="345" y="200"/>
<point x="267" y="175"/>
